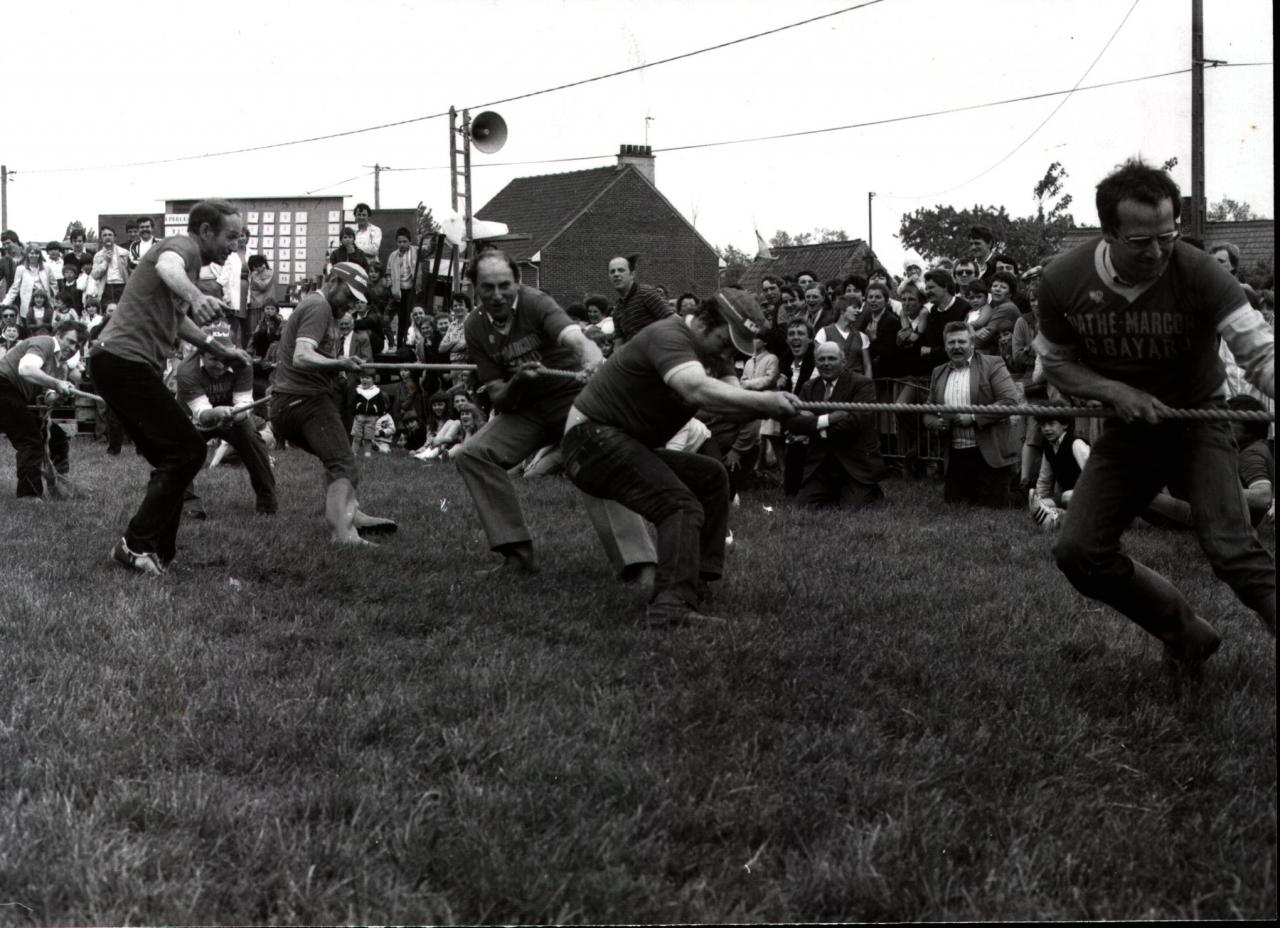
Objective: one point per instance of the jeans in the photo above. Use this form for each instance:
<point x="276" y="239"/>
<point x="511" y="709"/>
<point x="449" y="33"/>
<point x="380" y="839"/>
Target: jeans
<point x="1127" y="468"/>
<point x="162" y="432"/>
<point x="246" y="441"/>
<point x="26" y="431"/>
<point x="685" y="495"/>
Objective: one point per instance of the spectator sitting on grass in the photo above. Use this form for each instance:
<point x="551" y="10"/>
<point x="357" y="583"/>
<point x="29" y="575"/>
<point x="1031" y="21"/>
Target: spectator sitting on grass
<point x="472" y="419"/>
<point x="1257" y="465"/>
<point x="1060" y="467"/>
<point x="443" y="430"/>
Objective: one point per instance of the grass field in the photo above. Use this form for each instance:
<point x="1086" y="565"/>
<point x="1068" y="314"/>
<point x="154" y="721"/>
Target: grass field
<point x="911" y="716"/>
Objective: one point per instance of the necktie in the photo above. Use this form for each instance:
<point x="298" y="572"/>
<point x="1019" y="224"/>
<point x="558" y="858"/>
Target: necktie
<point x="830" y="386"/>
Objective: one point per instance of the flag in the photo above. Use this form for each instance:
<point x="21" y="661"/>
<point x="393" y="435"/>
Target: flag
<point x="762" y="247"/>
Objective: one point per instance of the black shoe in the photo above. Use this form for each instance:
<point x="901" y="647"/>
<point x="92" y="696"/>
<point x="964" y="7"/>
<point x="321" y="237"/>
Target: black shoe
<point x="385" y="527"/>
<point x="510" y="567"/>
<point x="666" y="615"/>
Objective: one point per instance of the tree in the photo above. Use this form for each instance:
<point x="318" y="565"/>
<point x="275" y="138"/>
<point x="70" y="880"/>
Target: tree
<point x="427" y="224"/>
<point x="732" y="256"/>
<point x="1229" y="210"/>
<point x="783" y="239"/>
<point x="944" y="230"/>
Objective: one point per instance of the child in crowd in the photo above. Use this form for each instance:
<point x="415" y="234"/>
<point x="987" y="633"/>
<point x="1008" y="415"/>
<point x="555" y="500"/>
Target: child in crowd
<point x="1060" y="467"/>
<point x="443" y="431"/>
<point x="369" y="405"/>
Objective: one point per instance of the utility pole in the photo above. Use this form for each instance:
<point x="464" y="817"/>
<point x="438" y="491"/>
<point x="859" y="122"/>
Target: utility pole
<point x="377" y="182"/>
<point x="1197" y="119"/>
<point x="870" y="240"/>
<point x="4" y="196"/>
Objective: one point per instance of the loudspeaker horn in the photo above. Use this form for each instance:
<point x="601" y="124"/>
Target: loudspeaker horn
<point x="488" y="132"/>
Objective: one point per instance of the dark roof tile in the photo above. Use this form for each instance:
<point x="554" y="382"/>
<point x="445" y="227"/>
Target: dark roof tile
<point x="542" y="205"/>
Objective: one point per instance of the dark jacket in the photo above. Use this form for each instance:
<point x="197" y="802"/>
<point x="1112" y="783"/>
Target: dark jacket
<point x="852" y="438"/>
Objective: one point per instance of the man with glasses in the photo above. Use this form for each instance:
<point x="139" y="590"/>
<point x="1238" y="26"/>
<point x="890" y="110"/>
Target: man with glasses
<point x="9" y="317"/>
<point x="28" y="368"/>
<point x="1133" y="319"/>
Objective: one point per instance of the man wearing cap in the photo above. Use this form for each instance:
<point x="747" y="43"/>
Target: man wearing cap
<point x="29" y="367"/>
<point x="161" y="303"/>
<point x="303" y="411"/>
<point x="514" y="336"/>
<point x="212" y="390"/>
<point x="616" y="430"/>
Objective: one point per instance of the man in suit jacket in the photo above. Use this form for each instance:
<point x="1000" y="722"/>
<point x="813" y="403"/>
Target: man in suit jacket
<point x="842" y="465"/>
<point x="980" y="451"/>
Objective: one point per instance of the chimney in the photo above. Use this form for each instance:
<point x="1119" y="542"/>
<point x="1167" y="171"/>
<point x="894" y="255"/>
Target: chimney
<point x="639" y="155"/>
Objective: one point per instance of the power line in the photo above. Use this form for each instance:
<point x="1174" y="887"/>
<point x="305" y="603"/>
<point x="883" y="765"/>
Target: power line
<point x="857" y="125"/>
<point x="416" y="119"/>
<point x="343" y="181"/>
<point x="1061" y="103"/>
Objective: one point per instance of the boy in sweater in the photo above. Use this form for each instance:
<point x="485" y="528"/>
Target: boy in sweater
<point x="369" y="405"/>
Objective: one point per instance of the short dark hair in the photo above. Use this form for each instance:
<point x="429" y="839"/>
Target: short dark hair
<point x="957" y="325"/>
<point x="493" y="254"/>
<point x="1233" y="253"/>
<point x="346" y="230"/>
<point x="708" y="312"/>
<point x="808" y="329"/>
<point x="577" y="312"/>
<point x="599" y="302"/>
<point x="105" y="228"/>
<point x="942" y="278"/>
<point x="686" y="296"/>
<point x="67" y="325"/>
<point x="803" y="272"/>
<point x="213" y="212"/>
<point x="362" y="206"/>
<point x="52" y="245"/>
<point x="405" y="232"/>
<point x="1007" y="278"/>
<point x="1134" y="180"/>
<point x="857" y="280"/>
<point x="460" y="297"/>
<point x="76" y="234"/>
<point x="977" y="286"/>
<point x="883" y="288"/>
<point x="984" y="233"/>
<point x="1068" y="421"/>
<point x="771" y="277"/>
<point x="257" y="261"/>
<point x="1001" y="258"/>
<point x="141" y="219"/>
<point x="1255" y="431"/>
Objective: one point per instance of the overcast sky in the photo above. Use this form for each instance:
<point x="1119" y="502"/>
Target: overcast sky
<point x="157" y="82"/>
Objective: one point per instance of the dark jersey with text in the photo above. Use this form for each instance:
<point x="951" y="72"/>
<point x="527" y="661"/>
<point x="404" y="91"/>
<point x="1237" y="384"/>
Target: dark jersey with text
<point x="1160" y="337"/>
<point x="536" y="323"/>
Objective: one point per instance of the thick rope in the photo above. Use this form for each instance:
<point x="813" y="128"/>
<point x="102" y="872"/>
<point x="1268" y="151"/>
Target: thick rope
<point x="1073" y="412"/>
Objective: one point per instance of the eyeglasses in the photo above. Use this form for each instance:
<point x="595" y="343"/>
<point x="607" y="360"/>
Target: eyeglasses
<point x="1143" y="242"/>
<point x="965" y="273"/>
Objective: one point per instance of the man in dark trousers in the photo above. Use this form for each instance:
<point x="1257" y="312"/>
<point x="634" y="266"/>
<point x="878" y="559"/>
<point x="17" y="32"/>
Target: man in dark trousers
<point x="513" y="336"/>
<point x="615" y="433"/>
<point x="27" y="369"/>
<point x="1133" y="318"/>
<point x="160" y="304"/>
<point x="212" y="391"/>
<point x="842" y="464"/>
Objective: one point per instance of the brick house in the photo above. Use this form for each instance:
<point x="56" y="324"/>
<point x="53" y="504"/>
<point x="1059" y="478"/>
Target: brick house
<point x="578" y="220"/>
<point x="1256" y="239"/>
<point x="827" y="260"/>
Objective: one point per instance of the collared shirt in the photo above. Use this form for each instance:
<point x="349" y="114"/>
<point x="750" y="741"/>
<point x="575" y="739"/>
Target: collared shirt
<point x="369" y="240"/>
<point x="957" y="394"/>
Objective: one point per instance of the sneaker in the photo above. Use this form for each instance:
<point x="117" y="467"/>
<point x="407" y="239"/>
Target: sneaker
<point x="144" y="563"/>
<point x="667" y="615"/>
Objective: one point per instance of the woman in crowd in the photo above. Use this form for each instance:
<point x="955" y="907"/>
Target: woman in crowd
<point x="39" y="313"/>
<point x="880" y="326"/>
<point x="262" y="285"/>
<point x="853" y="341"/>
<point x="913" y="372"/>
<point x="443" y="431"/>
<point x="996" y="319"/>
<point x="29" y="277"/>
<point x="686" y="304"/>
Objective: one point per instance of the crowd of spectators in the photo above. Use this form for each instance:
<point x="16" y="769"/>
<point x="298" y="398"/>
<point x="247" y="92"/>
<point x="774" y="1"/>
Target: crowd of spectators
<point x="958" y="331"/>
